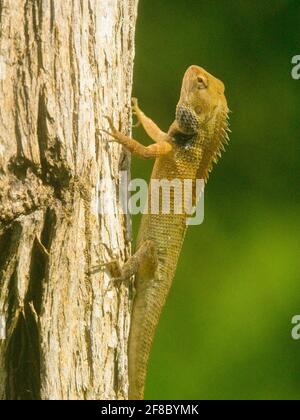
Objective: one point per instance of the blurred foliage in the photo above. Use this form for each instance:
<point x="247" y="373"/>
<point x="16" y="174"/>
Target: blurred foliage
<point x="226" y="330"/>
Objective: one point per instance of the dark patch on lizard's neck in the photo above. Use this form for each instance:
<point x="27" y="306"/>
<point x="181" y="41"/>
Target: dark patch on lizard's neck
<point x="182" y="139"/>
<point x="187" y="119"/>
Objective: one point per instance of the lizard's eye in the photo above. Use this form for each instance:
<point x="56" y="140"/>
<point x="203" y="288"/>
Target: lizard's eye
<point x="201" y="82"/>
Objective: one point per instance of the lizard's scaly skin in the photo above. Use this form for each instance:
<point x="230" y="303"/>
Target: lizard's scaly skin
<point x="201" y="121"/>
<point x="187" y="152"/>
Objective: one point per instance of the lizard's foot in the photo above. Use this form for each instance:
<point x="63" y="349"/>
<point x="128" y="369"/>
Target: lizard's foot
<point x="135" y="103"/>
<point x="115" y="271"/>
<point x="118" y="137"/>
<point x="133" y="146"/>
<point x="113" y="267"/>
<point x="145" y="256"/>
<point x="113" y="133"/>
<point x="136" y="111"/>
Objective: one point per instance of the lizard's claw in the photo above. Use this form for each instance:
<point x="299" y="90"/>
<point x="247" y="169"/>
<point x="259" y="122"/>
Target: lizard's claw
<point x="113" y="140"/>
<point x="137" y="124"/>
<point x="135" y="103"/>
<point x="111" y="133"/>
<point x="112" y="266"/>
<point x="111" y="125"/>
<point x="135" y="110"/>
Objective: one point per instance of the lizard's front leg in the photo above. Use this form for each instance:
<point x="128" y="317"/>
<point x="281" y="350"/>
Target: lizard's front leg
<point x="133" y="146"/>
<point x="153" y="131"/>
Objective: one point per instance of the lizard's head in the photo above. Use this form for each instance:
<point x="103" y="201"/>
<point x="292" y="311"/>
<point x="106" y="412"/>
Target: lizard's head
<point x="202" y="97"/>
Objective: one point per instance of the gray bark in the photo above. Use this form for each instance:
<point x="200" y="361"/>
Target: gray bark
<point x="64" y="65"/>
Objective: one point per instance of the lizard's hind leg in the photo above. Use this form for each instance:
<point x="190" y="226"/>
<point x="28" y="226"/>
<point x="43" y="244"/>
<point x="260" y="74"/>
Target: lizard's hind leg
<point x="145" y="258"/>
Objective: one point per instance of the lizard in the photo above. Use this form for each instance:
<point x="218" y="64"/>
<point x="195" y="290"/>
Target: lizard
<point x="187" y="150"/>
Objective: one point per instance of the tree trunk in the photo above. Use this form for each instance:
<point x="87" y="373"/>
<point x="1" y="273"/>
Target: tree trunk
<point x="64" y="66"/>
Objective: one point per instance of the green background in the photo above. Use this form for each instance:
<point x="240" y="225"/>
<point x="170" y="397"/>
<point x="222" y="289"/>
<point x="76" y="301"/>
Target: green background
<point x="226" y="330"/>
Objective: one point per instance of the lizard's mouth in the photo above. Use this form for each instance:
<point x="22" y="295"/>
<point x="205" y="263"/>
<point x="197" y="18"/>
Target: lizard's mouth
<point x="187" y="119"/>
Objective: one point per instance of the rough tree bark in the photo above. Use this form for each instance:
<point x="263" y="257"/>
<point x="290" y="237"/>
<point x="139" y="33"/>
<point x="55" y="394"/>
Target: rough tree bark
<point x="64" y="65"/>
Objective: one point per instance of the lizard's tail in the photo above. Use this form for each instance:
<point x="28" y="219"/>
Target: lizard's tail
<point x="147" y="308"/>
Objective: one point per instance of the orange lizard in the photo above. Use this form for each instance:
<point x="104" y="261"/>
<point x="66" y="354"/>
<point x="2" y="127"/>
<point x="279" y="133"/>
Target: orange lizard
<point x="187" y="151"/>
